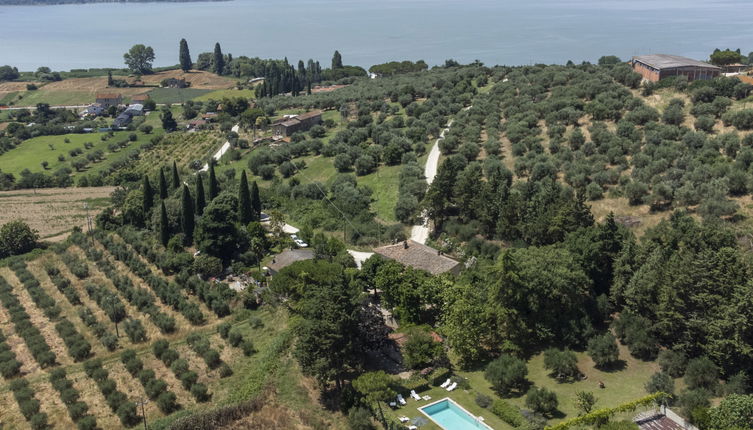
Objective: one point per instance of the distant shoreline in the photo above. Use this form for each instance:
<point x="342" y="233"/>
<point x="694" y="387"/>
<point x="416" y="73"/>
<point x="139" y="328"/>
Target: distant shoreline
<point x="66" y="2"/>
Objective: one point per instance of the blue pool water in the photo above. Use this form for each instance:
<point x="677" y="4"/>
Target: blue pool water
<point x="450" y="416"/>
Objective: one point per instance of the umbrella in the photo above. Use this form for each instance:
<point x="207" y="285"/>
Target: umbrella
<point x="419" y="421"/>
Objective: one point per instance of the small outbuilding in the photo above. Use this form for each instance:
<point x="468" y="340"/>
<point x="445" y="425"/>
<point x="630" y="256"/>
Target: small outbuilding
<point x="420" y="256"/>
<point x="656" y="67"/>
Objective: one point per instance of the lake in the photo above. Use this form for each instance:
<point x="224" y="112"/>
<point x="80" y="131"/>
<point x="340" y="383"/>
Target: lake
<point x="371" y="32"/>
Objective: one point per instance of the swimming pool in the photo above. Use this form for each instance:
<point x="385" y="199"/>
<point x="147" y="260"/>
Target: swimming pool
<point x="451" y="416"/>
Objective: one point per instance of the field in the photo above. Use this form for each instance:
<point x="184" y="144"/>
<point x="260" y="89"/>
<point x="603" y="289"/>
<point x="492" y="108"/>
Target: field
<point x="81" y="91"/>
<point x="53" y="211"/>
<point x="220" y="94"/>
<point x="31" y="153"/>
<point x="230" y="373"/>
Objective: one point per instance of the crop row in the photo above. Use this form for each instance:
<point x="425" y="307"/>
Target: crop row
<point x="168" y="292"/>
<point x="235" y="338"/>
<point x="141" y="298"/>
<point x="28" y="404"/>
<point x="116" y="311"/>
<point x="63" y="285"/>
<point x="216" y="297"/>
<point x="77" y="409"/>
<point x="179" y="367"/>
<point x="116" y="400"/>
<point x="200" y="345"/>
<point x="9" y="365"/>
<point x="155" y="388"/>
<point x="78" y="267"/>
<point x="40" y="297"/>
<point x="39" y="348"/>
<point x="107" y="337"/>
<point x="78" y="347"/>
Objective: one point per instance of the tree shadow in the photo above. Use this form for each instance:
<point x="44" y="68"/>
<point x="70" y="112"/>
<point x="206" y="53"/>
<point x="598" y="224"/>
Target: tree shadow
<point x="617" y="366"/>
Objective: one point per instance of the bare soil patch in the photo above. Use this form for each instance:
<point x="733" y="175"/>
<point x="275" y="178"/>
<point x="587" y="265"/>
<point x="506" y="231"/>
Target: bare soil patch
<point x="50" y="403"/>
<point x="199" y="79"/>
<point x="10" y="415"/>
<point x="53" y="212"/>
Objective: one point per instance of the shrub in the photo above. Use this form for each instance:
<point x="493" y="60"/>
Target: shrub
<point x="359" y="418"/>
<point x="234" y="338"/>
<point x="155" y="387"/>
<point x="200" y="393"/>
<point x="542" y="400"/>
<point x="167" y="402"/>
<point x="127" y="414"/>
<point x="38" y="421"/>
<point x="562" y="364"/>
<point x="224" y="329"/>
<point x="248" y="348"/>
<point x="702" y="373"/>
<point x="660" y="382"/>
<point x="87" y="423"/>
<point x="673" y="362"/>
<point x="483" y="401"/>
<point x="225" y="370"/>
<point x="603" y="350"/>
<point x="507" y="413"/>
<point x="212" y="358"/>
<point x="188" y="379"/>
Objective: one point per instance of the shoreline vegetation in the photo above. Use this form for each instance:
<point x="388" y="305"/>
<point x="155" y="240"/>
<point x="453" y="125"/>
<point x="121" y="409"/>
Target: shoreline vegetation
<point x="63" y="2"/>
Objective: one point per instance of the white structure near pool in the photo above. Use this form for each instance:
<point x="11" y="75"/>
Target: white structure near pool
<point x="450" y="416"/>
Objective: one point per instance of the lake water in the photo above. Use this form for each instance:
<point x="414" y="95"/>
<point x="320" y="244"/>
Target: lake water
<point x="369" y="32"/>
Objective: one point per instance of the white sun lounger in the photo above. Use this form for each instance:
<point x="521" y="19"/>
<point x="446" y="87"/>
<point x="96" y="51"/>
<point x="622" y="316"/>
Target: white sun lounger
<point x="414" y="395"/>
<point x="412" y="428"/>
<point x="404" y="419"/>
<point x="453" y="386"/>
<point x="446" y="383"/>
<point x="401" y="400"/>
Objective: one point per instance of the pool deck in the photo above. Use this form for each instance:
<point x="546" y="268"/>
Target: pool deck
<point x="478" y="419"/>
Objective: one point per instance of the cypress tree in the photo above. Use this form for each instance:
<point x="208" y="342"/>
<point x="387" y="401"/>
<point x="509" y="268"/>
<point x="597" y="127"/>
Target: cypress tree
<point x="200" y="201"/>
<point x="162" y="185"/>
<point x="187" y="215"/>
<point x="214" y="188"/>
<point x="184" y="56"/>
<point x="164" y="233"/>
<point x="148" y="195"/>
<point x="245" y="211"/>
<point x="176" y="176"/>
<point x="219" y="60"/>
<point x="255" y="202"/>
<point x="337" y="61"/>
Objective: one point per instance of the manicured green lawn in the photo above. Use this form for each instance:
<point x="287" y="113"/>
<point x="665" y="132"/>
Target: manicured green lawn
<point x="31" y="153"/>
<point x="55" y="98"/>
<point x="175" y="95"/>
<point x="220" y="94"/>
<point x="384" y="182"/>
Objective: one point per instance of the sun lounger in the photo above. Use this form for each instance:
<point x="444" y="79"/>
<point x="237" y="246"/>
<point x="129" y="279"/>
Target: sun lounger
<point x="404" y="419"/>
<point x="401" y="400"/>
<point x="452" y="386"/>
<point x="414" y="395"/>
<point x="412" y="428"/>
<point x="446" y="383"/>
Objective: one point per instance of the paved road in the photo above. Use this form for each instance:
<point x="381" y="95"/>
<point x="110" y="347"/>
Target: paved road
<point x="420" y="233"/>
<point x="223" y="149"/>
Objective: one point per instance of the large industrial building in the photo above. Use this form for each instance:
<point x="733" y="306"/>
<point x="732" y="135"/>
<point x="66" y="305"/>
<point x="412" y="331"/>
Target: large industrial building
<point x="656" y="67"/>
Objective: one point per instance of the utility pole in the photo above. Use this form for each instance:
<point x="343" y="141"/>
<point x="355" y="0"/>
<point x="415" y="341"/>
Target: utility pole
<point x="141" y="401"/>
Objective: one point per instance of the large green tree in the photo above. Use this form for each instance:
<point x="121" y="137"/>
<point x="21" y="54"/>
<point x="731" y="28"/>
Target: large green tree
<point x="164" y="227"/>
<point x="163" y="191"/>
<point x="200" y="200"/>
<point x="176" y="177"/>
<point x="506" y="373"/>
<point x="139" y="59"/>
<point x="216" y="231"/>
<point x="255" y="202"/>
<point x="168" y="122"/>
<point x="187" y="215"/>
<point x="376" y="387"/>
<point x="337" y="61"/>
<point x="214" y="186"/>
<point x="16" y="237"/>
<point x="148" y="195"/>
<point x="245" y="211"/>
<point x="184" y="56"/>
<point x="218" y="60"/>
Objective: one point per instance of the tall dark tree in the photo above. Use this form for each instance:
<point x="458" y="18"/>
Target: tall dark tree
<point x="176" y="176"/>
<point x="148" y="195"/>
<point x="214" y="187"/>
<point x="245" y="210"/>
<point x="255" y="202"/>
<point x="184" y="56"/>
<point x="187" y="215"/>
<point x="164" y="232"/>
<point x="219" y="59"/>
<point x="337" y="61"/>
<point x="168" y="122"/>
<point x="162" y="184"/>
<point x="200" y="200"/>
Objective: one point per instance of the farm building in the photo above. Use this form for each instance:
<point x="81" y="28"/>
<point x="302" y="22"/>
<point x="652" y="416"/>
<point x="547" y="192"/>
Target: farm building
<point x="656" y="67"/>
<point x="122" y="120"/>
<point x="303" y="122"/>
<point x="140" y="98"/>
<point x="108" y="99"/>
<point x="135" y="110"/>
<point x="420" y="256"/>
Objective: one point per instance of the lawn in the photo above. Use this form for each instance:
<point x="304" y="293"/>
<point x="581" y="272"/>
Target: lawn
<point x="175" y="95"/>
<point x="621" y="386"/>
<point x="54" y="98"/>
<point x="31" y="153"/>
<point x="220" y="94"/>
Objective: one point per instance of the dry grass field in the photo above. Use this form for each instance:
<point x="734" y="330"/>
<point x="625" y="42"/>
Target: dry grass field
<point x="53" y="212"/>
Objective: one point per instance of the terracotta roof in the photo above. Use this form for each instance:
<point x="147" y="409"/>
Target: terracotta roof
<point x="108" y="95"/>
<point x="419" y="256"/>
<point x="288" y="257"/>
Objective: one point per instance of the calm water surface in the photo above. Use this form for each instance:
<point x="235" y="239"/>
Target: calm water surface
<point x="370" y="32"/>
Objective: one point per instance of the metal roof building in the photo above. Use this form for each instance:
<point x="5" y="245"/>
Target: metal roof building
<point x="655" y="67"/>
